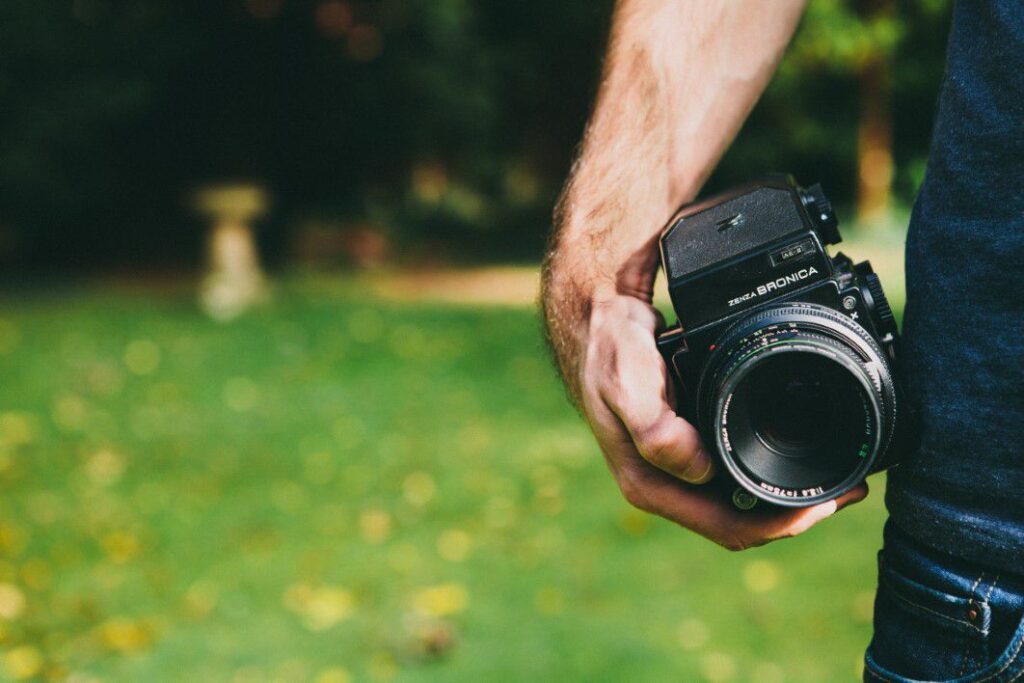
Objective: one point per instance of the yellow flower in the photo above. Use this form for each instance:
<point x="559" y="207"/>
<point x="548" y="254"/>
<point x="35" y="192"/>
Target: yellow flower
<point x="334" y="675"/>
<point x="454" y="545"/>
<point x="375" y="525"/>
<point x="12" y="539"/>
<point x="201" y="597"/>
<point x="17" y="428"/>
<point x="70" y="413"/>
<point x="121" y="634"/>
<point x="320" y="608"/>
<point x="23" y="662"/>
<point x="419" y="488"/>
<point x="718" y="666"/>
<point x="104" y="467"/>
<point x="12" y="601"/>
<point x="760" y="576"/>
<point x="121" y="546"/>
<point x="441" y="600"/>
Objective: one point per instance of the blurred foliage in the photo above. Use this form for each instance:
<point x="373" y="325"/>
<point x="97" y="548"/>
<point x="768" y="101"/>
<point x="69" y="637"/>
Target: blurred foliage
<point x="441" y="123"/>
<point x="806" y="122"/>
<point x="336" y="489"/>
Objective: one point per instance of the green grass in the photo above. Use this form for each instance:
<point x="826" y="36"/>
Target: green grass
<point x="333" y="489"/>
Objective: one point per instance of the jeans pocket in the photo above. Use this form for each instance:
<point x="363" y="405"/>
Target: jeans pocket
<point x="927" y="634"/>
<point x="924" y="634"/>
<point x="1006" y="667"/>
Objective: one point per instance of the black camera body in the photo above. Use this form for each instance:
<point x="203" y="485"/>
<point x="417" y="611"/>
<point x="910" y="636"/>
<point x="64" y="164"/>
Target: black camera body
<point x="783" y="357"/>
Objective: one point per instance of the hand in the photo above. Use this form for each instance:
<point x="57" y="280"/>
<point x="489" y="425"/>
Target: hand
<point x="657" y="457"/>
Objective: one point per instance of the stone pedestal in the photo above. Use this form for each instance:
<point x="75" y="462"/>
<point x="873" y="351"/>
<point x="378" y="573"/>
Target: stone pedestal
<point x="234" y="280"/>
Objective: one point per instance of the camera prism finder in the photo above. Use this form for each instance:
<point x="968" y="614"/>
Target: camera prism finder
<point x="783" y="356"/>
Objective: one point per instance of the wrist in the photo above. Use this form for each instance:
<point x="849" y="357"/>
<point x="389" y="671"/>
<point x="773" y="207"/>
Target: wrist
<point x="567" y="302"/>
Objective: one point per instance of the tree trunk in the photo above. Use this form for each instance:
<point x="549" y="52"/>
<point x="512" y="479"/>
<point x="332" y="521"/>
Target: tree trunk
<point x="874" y="130"/>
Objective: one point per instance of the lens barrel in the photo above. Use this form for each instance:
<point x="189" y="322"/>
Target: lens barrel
<point x="800" y="403"/>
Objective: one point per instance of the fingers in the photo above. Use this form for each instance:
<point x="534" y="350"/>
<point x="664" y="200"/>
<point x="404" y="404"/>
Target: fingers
<point x="671" y="444"/>
<point x="709" y="514"/>
<point x="635" y="390"/>
<point x="854" y="495"/>
<point x="701" y="510"/>
<point x="752" y="530"/>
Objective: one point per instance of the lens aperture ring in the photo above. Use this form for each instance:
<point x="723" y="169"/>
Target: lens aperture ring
<point x="807" y="328"/>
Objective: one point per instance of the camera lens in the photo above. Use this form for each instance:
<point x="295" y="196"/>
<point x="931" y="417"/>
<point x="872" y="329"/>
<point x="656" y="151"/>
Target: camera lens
<point x="796" y="420"/>
<point x="800" y="403"/>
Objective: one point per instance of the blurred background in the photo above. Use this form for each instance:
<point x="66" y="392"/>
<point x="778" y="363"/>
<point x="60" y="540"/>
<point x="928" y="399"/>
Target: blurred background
<point x="274" y="402"/>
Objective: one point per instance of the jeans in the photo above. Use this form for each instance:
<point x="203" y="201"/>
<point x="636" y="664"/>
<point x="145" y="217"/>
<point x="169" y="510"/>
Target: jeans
<point x="941" y="618"/>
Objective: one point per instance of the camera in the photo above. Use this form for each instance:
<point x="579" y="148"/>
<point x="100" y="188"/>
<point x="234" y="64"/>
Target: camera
<point x="783" y="357"/>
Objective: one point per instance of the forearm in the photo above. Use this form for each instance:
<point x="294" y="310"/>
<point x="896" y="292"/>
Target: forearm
<point x="679" y="80"/>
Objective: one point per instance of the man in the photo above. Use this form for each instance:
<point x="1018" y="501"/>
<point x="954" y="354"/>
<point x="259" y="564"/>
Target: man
<point x="679" y="80"/>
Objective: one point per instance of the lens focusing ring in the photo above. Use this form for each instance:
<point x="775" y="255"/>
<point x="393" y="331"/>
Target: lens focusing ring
<point x="804" y="328"/>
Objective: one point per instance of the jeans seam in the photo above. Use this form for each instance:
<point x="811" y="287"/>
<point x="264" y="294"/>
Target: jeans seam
<point x="874" y="674"/>
<point x="984" y="601"/>
<point x="971" y="601"/>
<point x="1013" y="658"/>
<point x="991" y="588"/>
<point x="913" y="604"/>
<point x="1018" y="674"/>
<point x="976" y="583"/>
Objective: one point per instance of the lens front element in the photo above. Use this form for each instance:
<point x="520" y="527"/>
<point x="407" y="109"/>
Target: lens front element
<point x="800" y="403"/>
<point x="795" y="405"/>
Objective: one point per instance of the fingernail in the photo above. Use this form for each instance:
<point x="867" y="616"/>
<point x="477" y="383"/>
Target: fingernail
<point x="707" y="472"/>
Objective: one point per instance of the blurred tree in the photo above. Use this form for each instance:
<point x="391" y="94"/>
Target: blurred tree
<point x="74" y="80"/>
<point x="446" y="125"/>
<point x="860" y="39"/>
<point x="874" y="130"/>
<point x="850" y="101"/>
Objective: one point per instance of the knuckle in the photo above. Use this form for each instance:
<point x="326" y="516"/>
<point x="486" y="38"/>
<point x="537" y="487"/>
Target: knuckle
<point x="657" y="443"/>
<point x="671" y="449"/>
<point x="661" y="450"/>
<point x="633" y="491"/>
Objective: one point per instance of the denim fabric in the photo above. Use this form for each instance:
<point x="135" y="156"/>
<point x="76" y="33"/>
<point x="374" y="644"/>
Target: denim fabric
<point x="942" y="618"/>
<point x="963" y="491"/>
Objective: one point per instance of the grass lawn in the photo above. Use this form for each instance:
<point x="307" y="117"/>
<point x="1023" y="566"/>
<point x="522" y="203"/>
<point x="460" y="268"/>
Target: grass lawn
<point x="332" y="489"/>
